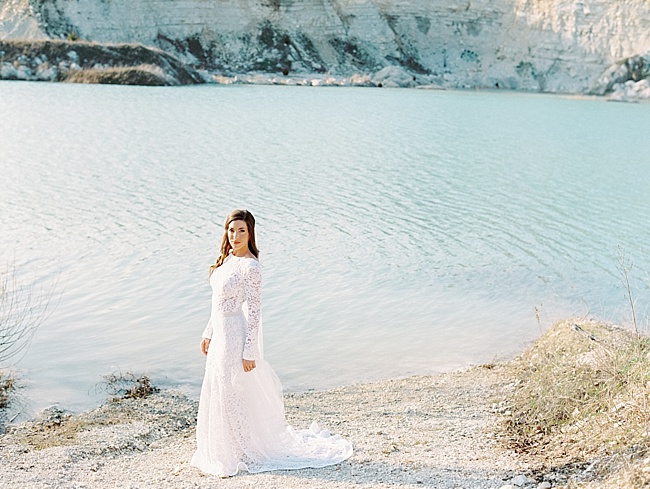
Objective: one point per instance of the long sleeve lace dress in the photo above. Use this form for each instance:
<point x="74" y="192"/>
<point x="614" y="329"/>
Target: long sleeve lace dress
<point x="241" y="423"/>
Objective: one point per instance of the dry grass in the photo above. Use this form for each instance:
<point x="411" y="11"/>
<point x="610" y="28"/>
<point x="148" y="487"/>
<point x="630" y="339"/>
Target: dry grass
<point x="7" y="387"/>
<point x="581" y="403"/>
<point x="147" y="75"/>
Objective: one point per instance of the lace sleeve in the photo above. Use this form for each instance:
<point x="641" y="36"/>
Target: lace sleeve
<point x="253" y="288"/>
<point x="207" y="332"/>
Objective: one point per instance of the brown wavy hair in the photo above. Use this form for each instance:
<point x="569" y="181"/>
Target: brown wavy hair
<point x="237" y="215"/>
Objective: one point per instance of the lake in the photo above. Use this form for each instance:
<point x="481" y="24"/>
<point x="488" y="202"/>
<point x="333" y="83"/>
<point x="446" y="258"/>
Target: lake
<point x="401" y="231"/>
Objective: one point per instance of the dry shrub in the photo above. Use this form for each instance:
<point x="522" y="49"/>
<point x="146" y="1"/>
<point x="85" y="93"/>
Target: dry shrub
<point x="581" y="396"/>
<point x="23" y="307"/>
<point x="127" y="385"/>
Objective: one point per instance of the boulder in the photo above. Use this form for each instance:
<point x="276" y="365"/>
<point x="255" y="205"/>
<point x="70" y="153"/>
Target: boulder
<point x="393" y="77"/>
<point x="631" y="91"/>
<point x="633" y="69"/>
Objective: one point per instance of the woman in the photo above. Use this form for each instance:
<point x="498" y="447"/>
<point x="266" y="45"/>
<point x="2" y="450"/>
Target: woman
<point x="241" y="423"/>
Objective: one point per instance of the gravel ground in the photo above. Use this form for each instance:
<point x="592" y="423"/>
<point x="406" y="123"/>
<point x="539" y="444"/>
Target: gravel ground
<point x="433" y="431"/>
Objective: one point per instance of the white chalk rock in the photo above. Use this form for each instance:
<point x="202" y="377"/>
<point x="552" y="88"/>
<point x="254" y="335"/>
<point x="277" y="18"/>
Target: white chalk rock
<point x="520" y="480"/>
<point x="393" y="77"/>
<point x="560" y="46"/>
<point x="631" y="91"/>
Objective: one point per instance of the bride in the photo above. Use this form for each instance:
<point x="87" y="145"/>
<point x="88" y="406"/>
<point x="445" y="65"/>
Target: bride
<point x="241" y="423"/>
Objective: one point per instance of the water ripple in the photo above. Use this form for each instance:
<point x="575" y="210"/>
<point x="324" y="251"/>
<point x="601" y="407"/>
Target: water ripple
<point x="402" y="231"/>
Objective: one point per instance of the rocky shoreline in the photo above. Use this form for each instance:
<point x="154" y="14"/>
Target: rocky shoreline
<point x="569" y="412"/>
<point x="135" y="64"/>
<point x="88" y="62"/>
<point x="434" y="431"/>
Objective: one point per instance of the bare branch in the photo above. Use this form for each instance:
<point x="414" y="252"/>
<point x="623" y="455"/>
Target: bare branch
<point x="23" y="308"/>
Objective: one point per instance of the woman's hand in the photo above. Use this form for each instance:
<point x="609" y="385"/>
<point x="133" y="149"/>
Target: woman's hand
<point x="248" y="365"/>
<point x="205" y="344"/>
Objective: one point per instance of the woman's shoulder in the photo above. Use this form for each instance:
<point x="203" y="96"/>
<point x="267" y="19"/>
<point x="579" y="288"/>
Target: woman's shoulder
<point x="247" y="262"/>
<point x="251" y="270"/>
<point x="252" y="262"/>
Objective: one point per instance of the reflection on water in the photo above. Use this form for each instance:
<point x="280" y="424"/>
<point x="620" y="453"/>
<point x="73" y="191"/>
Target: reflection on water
<point x="401" y="231"/>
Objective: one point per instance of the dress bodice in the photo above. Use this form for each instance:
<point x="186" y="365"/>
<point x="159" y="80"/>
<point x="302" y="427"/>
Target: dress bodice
<point x="238" y="282"/>
<point x="229" y="285"/>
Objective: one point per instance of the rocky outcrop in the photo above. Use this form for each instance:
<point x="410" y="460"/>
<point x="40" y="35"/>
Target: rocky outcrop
<point x="627" y="80"/>
<point x="551" y="46"/>
<point x="85" y="62"/>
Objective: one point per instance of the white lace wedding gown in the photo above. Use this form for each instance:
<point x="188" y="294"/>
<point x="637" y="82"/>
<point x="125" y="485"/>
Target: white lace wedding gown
<point x="241" y="423"/>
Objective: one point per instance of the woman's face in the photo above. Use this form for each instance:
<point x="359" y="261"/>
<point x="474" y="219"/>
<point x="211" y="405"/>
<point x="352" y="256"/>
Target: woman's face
<point x="238" y="237"/>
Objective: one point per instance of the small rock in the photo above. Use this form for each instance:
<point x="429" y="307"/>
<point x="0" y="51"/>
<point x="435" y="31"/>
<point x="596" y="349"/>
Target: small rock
<point x="520" y="480"/>
<point x="544" y="485"/>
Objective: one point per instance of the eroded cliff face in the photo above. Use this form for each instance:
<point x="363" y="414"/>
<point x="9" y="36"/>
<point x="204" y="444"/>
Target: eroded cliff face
<point x="543" y="45"/>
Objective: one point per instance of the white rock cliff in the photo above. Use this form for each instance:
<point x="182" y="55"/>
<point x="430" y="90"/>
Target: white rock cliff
<point x="564" y="46"/>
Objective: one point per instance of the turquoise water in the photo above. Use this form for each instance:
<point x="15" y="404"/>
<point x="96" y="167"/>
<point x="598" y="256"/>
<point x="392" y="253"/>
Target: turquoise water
<point x="401" y="231"/>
